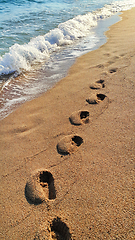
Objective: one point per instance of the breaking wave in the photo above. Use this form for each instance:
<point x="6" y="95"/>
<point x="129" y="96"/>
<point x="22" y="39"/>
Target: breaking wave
<point x="22" y="57"/>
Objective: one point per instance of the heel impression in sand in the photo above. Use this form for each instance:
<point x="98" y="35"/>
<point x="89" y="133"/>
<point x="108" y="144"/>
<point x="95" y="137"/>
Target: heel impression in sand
<point x="79" y="117"/>
<point x="59" y="230"/>
<point x="96" y="98"/>
<point x="69" y="144"/>
<point x="98" y="84"/>
<point x="40" y="187"/>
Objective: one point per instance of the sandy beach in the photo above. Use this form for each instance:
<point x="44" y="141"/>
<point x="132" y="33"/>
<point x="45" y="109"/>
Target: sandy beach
<point x="67" y="157"/>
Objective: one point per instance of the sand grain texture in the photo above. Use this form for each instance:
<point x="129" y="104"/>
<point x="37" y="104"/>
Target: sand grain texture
<point x="94" y="184"/>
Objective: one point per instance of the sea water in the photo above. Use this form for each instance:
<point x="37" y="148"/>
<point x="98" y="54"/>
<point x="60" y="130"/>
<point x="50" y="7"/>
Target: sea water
<point x="40" y="40"/>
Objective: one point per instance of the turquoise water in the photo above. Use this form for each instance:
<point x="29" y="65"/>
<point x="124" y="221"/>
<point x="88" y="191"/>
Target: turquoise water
<point x="40" y="39"/>
<point x="22" y="20"/>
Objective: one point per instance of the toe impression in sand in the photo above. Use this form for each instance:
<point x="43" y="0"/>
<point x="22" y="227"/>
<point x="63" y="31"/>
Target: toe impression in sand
<point x="79" y="117"/>
<point x="97" y="85"/>
<point x="59" y="230"/>
<point x="69" y="144"/>
<point x="40" y="187"/>
<point x="96" y="98"/>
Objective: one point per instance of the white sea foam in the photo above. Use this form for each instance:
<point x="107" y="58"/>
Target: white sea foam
<point x="22" y="57"/>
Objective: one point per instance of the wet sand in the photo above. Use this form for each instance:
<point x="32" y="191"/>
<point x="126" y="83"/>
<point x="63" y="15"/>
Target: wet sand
<point x="67" y="157"/>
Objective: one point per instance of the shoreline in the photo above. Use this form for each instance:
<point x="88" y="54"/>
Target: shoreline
<point x="36" y="82"/>
<point x="94" y="179"/>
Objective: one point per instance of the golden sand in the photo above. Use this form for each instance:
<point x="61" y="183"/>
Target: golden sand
<point x="67" y="157"/>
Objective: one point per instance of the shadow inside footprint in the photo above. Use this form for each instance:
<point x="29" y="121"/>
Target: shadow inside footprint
<point x="101" y="97"/>
<point x="79" y="117"/>
<point x="69" y="144"/>
<point x="84" y="114"/>
<point x="46" y="178"/>
<point x="59" y="230"/>
<point x="113" y="70"/>
<point x="40" y="187"/>
<point x="77" y="140"/>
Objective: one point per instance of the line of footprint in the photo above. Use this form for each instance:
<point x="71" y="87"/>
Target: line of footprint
<point x="40" y="187"/>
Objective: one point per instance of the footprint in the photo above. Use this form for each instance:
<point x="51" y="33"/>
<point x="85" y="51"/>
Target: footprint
<point x="40" y="187"/>
<point x="21" y="129"/>
<point x="96" y="98"/>
<point x="113" y="70"/>
<point x="69" y="144"/>
<point x="24" y="130"/>
<point x="98" y="84"/>
<point x="107" y="54"/>
<point x="113" y="60"/>
<point x="59" y="230"/>
<point x="100" y="66"/>
<point x="79" y="117"/>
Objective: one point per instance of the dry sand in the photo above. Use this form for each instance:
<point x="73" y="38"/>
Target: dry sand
<point x="75" y="181"/>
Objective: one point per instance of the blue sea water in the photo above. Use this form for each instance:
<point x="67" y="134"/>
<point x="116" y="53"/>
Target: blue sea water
<point x="40" y="39"/>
